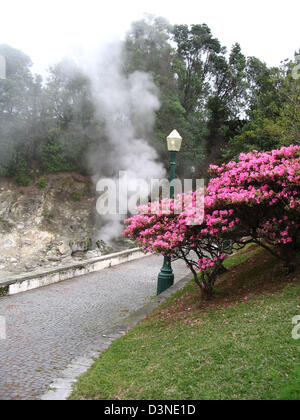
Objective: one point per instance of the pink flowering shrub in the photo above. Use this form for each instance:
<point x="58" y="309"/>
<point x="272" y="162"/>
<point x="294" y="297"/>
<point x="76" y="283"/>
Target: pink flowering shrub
<point x="170" y="234"/>
<point x="256" y="198"/>
<point x="262" y="190"/>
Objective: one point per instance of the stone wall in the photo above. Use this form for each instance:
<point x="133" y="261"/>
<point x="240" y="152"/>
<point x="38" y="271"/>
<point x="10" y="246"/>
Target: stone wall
<point x="23" y="282"/>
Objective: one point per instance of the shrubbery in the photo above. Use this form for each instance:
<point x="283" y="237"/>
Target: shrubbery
<point x="42" y="183"/>
<point x="253" y="200"/>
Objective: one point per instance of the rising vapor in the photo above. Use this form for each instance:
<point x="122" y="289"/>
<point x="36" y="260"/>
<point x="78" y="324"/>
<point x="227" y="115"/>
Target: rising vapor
<point x="125" y="108"/>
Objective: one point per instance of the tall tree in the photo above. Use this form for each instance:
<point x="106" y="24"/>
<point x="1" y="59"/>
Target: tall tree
<point x="273" y="114"/>
<point x="18" y="110"/>
<point x="69" y="117"/>
<point x="227" y="101"/>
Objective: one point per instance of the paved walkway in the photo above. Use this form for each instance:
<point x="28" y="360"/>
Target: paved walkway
<point x="50" y="326"/>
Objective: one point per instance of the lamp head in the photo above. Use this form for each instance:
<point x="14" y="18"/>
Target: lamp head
<point x="174" y="141"/>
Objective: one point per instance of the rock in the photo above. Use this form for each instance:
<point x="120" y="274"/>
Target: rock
<point x="30" y="267"/>
<point x="64" y="249"/>
<point x="103" y="247"/>
<point x="80" y="255"/>
<point x="52" y="255"/>
<point x="8" y="243"/>
<point x="92" y="254"/>
<point x="53" y="258"/>
<point x="83" y="245"/>
<point x="38" y="220"/>
<point x="36" y="226"/>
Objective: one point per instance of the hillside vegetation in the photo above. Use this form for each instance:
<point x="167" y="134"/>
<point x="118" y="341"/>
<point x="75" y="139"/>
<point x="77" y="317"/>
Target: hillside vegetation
<point x="222" y="102"/>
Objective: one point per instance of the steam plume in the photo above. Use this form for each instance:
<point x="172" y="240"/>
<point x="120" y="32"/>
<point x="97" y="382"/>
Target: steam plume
<point x="126" y="107"/>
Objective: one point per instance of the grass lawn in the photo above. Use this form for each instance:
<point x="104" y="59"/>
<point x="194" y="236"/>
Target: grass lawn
<point x="238" y="346"/>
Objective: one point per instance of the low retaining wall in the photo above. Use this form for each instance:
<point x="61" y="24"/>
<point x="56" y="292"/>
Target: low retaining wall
<point x="23" y="282"/>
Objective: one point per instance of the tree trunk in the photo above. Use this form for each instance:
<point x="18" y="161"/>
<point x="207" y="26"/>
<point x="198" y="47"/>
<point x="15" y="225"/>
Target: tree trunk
<point x="207" y="292"/>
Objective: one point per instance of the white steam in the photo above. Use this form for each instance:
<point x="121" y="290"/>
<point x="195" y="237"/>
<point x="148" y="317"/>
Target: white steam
<point x="126" y="107"/>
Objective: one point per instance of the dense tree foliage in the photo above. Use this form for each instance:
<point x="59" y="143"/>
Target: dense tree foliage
<point x="44" y="127"/>
<point x="273" y="116"/>
<point x="222" y="103"/>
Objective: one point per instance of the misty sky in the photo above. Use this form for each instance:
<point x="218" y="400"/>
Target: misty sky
<point x="47" y="30"/>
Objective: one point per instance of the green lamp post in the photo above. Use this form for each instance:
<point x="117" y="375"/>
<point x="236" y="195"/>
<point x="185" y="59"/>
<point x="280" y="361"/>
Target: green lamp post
<point x="166" y="275"/>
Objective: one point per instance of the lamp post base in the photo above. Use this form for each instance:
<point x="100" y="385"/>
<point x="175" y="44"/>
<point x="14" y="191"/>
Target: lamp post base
<point x="165" y="277"/>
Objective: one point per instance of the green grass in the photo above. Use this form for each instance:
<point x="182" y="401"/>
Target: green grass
<point x="242" y="256"/>
<point x="291" y="390"/>
<point x="239" y="346"/>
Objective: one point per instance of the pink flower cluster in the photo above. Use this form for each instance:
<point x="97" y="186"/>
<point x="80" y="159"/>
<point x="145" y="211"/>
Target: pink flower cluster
<point x="205" y="262"/>
<point x="263" y="191"/>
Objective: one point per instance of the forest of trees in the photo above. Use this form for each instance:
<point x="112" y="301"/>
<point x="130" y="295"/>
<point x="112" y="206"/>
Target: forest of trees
<point x="222" y="103"/>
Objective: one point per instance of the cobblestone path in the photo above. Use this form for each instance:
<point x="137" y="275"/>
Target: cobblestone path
<point x="50" y="326"/>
